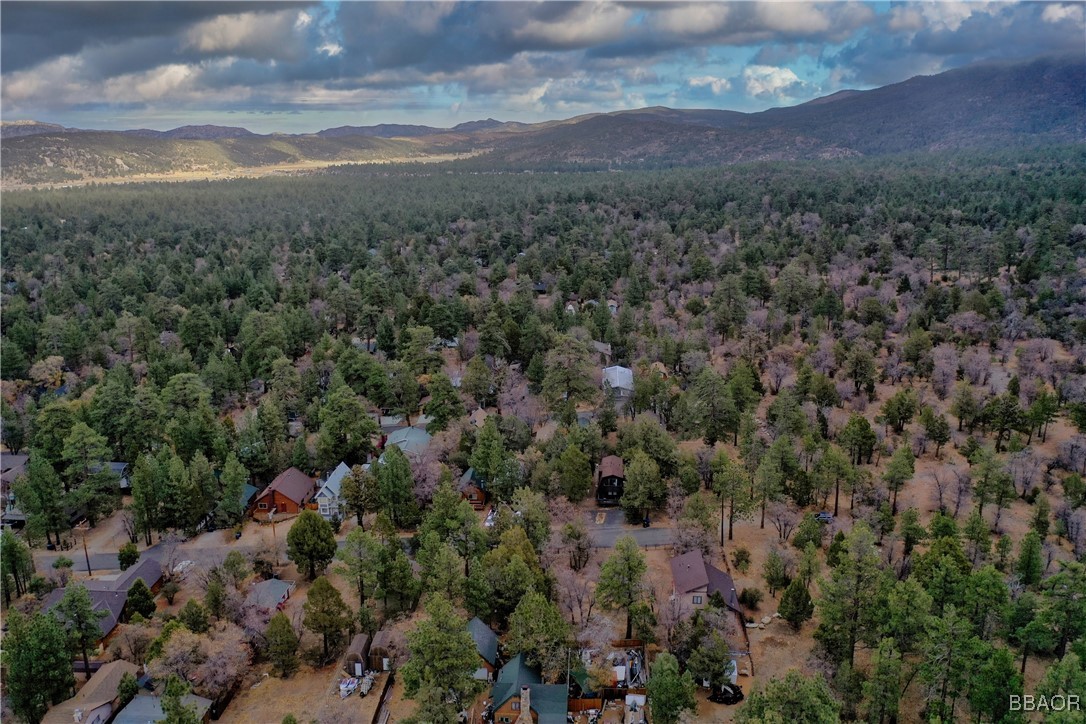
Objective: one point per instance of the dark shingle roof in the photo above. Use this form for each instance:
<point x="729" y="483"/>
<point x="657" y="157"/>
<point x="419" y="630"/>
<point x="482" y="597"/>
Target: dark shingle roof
<point x="149" y="570"/>
<point x="112" y="602"/>
<point x="611" y="466"/>
<point x="691" y="571"/>
<point x="486" y="641"/>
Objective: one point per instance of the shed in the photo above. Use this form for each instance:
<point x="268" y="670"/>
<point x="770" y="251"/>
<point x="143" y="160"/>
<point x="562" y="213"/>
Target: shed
<point x="270" y="594"/>
<point x="380" y="653"/>
<point x="357" y="657"/>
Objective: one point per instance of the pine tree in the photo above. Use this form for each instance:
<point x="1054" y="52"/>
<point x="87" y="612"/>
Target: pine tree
<point x="853" y="603"/>
<point x="443" y="658"/>
<point x="231" y="507"/>
<point x="574" y="473"/>
<point x="444" y="405"/>
<point x="325" y="613"/>
<point x="81" y="620"/>
<point x="538" y="630"/>
<point x="37" y="663"/>
<point x="282" y="645"/>
<point x="395" y="488"/>
<point x="140" y="599"/>
<point x="669" y="692"/>
<point x="898" y="472"/>
<point x="621" y="580"/>
<point x="793" y="698"/>
<point x="1030" y="566"/>
<point x="311" y="543"/>
<point x="796" y="605"/>
<point x="359" y="557"/>
<point x="883" y="688"/>
<point x="732" y="487"/>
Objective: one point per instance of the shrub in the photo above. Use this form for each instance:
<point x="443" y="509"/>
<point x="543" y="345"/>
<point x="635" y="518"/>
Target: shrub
<point x="170" y="591"/>
<point x="751" y="598"/>
<point x="741" y="559"/>
<point x="127" y="556"/>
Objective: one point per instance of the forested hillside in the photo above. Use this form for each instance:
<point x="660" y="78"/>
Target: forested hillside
<point x="898" y="344"/>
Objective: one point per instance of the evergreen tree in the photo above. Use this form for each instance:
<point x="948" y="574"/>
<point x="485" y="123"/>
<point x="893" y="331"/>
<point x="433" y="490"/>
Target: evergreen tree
<point x="325" y="613"/>
<point x="231" y="506"/>
<point x="574" y="473"/>
<point x="669" y="692"/>
<point x="311" y="544"/>
<point x="793" y="698"/>
<point x="621" y="580"/>
<point x="359" y="557"/>
<point x="443" y="659"/>
<point x="194" y="616"/>
<point x="796" y="605"/>
<point x="41" y="498"/>
<point x="883" y="688"/>
<point x="538" y="630"/>
<point x="853" y="603"/>
<point x="1030" y="566"/>
<point x="141" y="600"/>
<point x="282" y="645"/>
<point x="395" y="488"/>
<point x="346" y="430"/>
<point x="81" y="620"/>
<point x="731" y="486"/>
<point x="898" y="472"/>
<point x="37" y="664"/>
<point x="444" y="405"/>
<point x="644" y="487"/>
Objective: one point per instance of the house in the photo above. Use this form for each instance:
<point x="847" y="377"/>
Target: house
<point x="620" y="380"/>
<point x="145" y="709"/>
<point x="111" y="601"/>
<point x="472" y="489"/>
<point x="381" y="650"/>
<point x="270" y="595"/>
<point x="539" y="288"/>
<point x="148" y="570"/>
<point x="610" y="480"/>
<point x="286" y="495"/>
<point x="520" y="696"/>
<point x="602" y="349"/>
<point x="389" y="423"/>
<point x="612" y="307"/>
<point x="486" y="644"/>
<point x="478" y="418"/>
<point x="357" y="656"/>
<point x="411" y="440"/>
<point x="327" y="498"/>
<point x="97" y="700"/>
<point x="694" y="580"/>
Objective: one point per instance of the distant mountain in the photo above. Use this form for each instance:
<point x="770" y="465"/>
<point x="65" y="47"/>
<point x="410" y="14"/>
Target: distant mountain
<point x="984" y="106"/>
<point x="15" y="129"/>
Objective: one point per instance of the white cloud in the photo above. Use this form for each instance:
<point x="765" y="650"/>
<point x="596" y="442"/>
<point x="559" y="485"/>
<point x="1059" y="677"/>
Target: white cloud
<point x="257" y="35"/>
<point x="1058" y="13"/>
<point x="716" y="85"/>
<point x="767" y="81"/>
<point x="330" y="49"/>
<point x="695" y="19"/>
<point x="586" y="25"/>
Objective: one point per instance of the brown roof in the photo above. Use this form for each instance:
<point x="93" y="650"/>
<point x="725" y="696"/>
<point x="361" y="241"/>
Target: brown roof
<point x="611" y="466"/>
<point x="101" y="689"/>
<point x="291" y="483"/>
<point x="691" y="571"/>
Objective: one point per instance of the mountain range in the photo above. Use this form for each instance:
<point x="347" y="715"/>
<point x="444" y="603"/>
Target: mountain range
<point x="983" y="106"/>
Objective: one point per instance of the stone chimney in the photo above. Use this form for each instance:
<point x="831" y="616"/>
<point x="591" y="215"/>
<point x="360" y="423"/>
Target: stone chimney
<point x="525" y="716"/>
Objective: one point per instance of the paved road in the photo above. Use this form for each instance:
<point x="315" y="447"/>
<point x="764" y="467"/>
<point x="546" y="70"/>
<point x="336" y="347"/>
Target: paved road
<point x="606" y="526"/>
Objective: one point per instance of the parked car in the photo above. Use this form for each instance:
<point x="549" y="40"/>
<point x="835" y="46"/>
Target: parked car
<point x="824" y="517"/>
<point x="728" y="694"/>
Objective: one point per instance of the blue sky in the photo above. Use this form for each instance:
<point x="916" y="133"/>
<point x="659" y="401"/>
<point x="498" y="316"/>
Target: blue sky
<point x="300" y="66"/>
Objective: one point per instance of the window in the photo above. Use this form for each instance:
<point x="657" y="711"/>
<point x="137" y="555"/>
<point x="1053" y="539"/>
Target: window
<point x="516" y="706"/>
<point x="262" y="506"/>
<point x="697" y="600"/>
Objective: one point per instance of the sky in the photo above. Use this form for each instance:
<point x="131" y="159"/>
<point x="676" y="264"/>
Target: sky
<point x="299" y="67"/>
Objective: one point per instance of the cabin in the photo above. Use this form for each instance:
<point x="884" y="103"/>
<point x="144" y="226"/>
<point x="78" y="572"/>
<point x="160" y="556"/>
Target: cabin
<point x="620" y="380"/>
<point x="148" y="570"/>
<point x="356" y="659"/>
<point x="270" y="595"/>
<point x="473" y="489"/>
<point x="286" y="495"/>
<point x="610" y="480"/>
<point x="381" y="651"/>
<point x="694" y="580"/>
<point x="146" y="708"/>
<point x="97" y="700"/>
<point x="329" y="504"/>
<point x="486" y="645"/>
<point x="520" y="696"/>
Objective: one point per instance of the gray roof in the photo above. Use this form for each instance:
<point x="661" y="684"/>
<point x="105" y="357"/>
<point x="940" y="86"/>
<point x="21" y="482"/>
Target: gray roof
<point x="100" y="690"/>
<point x="620" y="378"/>
<point x="549" y="701"/>
<point x="270" y="593"/>
<point x="331" y="486"/>
<point x="247" y="493"/>
<point x="145" y="709"/>
<point x="486" y="641"/>
<point x="149" y="570"/>
<point x="112" y="602"/>
<point x="411" y="440"/>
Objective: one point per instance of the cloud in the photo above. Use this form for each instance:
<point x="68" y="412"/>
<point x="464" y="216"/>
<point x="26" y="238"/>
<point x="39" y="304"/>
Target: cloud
<point x="766" y="81"/>
<point x="1056" y="13"/>
<point x="262" y="36"/>
<point x="716" y="85"/>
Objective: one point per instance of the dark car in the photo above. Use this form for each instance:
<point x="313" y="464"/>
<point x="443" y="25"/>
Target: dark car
<point x="728" y="694"/>
<point x="646" y="523"/>
<point x="824" y="517"/>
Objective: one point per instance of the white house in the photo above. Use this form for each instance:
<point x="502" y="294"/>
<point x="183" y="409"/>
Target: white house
<point x="328" y="500"/>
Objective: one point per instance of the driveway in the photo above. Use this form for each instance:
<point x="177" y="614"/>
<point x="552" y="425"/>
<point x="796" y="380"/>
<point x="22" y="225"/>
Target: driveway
<point x="606" y="525"/>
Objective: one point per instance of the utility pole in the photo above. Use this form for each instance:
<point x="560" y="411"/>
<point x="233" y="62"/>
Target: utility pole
<point x="275" y="541"/>
<point x="83" y="531"/>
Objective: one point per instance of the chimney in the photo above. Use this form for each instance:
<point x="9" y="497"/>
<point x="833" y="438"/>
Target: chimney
<point x="525" y="716"/>
<point x="78" y="716"/>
